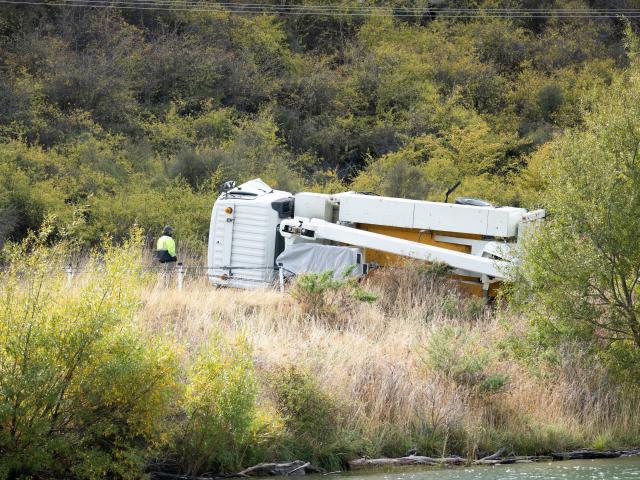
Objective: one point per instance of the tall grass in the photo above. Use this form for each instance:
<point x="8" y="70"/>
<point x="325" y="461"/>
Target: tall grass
<point x="422" y="365"/>
<point x="119" y="373"/>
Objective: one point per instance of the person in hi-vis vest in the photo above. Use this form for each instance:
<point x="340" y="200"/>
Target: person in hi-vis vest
<point x="166" y="247"/>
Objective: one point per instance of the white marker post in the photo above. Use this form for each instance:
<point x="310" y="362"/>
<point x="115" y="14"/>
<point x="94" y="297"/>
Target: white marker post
<point x="281" y="277"/>
<point x="180" y="275"/>
<point x="69" y="271"/>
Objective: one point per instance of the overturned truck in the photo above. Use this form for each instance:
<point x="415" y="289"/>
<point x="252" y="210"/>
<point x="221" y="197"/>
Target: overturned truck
<point x="258" y="233"/>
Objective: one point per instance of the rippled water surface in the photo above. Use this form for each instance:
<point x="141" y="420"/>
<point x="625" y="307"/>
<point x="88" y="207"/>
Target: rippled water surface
<point x="611" y="469"/>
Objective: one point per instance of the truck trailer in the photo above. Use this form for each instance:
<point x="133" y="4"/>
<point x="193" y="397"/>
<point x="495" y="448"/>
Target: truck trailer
<point x="258" y="234"/>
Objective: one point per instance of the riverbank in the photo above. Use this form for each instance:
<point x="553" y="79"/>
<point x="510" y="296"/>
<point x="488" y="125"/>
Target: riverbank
<point x="417" y="464"/>
<point x="621" y="469"/>
<point x="498" y="458"/>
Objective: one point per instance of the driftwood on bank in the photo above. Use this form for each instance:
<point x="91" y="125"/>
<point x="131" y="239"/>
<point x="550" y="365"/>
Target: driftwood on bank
<point x="299" y="467"/>
<point x="497" y="458"/>
<point x="513" y="459"/>
<point x="402" y="461"/>
<point x="581" y="454"/>
<point x="295" y="468"/>
<point x="173" y="476"/>
<point x="586" y="454"/>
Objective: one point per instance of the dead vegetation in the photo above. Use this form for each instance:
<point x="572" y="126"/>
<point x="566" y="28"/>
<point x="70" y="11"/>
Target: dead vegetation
<point x="421" y="365"/>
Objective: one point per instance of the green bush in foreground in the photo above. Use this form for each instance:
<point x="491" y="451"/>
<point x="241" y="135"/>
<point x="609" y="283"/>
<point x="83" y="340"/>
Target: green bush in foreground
<point x="312" y="419"/>
<point x="223" y="426"/>
<point x="82" y="392"/>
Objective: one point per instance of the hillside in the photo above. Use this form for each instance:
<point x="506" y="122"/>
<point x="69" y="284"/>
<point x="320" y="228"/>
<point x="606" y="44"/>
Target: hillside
<point x="115" y="116"/>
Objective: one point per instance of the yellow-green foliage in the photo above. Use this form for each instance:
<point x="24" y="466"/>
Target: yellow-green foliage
<point x="113" y="119"/>
<point x="85" y="392"/>
<point x="312" y="419"/>
<point x="82" y="392"/>
<point x="91" y="387"/>
<point x="222" y="424"/>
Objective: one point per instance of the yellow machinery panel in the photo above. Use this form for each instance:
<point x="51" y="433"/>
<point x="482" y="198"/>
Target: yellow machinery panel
<point x="468" y="284"/>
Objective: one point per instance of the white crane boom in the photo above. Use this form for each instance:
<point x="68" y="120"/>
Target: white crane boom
<point x="322" y="230"/>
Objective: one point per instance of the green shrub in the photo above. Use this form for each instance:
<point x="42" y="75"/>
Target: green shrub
<point x="451" y="305"/>
<point x="324" y="297"/>
<point x="494" y="382"/>
<point x="311" y="419"/>
<point x="579" y="275"/>
<point x="82" y="392"/>
<point x="433" y="271"/>
<point x="462" y="307"/>
<point x="194" y="166"/>
<point x="550" y="99"/>
<point x="458" y="354"/>
<point x="222" y="425"/>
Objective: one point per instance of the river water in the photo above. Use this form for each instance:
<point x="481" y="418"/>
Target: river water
<point x="611" y="469"/>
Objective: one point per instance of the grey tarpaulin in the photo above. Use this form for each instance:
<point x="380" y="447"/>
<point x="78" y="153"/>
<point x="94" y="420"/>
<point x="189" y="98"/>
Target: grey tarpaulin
<point x="313" y="257"/>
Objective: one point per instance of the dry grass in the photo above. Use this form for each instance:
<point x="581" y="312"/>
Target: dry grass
<point x="376" y="363"/>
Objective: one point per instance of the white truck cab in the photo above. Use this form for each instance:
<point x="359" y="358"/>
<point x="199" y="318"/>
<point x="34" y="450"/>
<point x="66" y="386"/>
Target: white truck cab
<point x="243" y="236"/>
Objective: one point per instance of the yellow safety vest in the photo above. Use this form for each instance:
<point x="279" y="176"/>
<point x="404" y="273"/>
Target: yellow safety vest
<point x="167" y="243"/>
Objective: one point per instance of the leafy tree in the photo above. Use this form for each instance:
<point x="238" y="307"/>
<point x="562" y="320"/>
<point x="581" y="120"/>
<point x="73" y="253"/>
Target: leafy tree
<point x="581" y="271"/>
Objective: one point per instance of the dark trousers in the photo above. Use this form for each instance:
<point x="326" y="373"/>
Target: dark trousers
<point x="164" y="257"/>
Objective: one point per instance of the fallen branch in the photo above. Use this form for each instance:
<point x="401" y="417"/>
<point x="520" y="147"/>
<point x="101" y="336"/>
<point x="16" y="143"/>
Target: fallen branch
<point x="172" y="476"/>
<point x="586" y="454"/>
<point x="402" y="461"/>
<point x="297" y="467"/>
<point x="382" y="462"/>
<point x="632" y="452"/>
<point x="496" y="461"/>
<point x="495" y="456"/>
